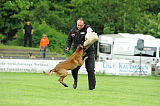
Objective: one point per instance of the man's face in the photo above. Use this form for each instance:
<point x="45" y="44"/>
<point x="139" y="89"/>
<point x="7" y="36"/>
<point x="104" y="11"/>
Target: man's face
<point x="80" y="24"/>
<point x="44" y="36"/>
<point x="28" y="22"/>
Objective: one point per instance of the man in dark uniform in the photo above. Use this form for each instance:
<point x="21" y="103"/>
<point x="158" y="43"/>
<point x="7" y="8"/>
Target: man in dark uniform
<point x="28" y="31"/>
<point x="77" y="36"/>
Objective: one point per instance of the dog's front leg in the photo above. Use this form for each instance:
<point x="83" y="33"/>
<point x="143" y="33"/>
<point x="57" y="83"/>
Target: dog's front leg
<point x="83" y="60"/>
<point x="84" y="54"/>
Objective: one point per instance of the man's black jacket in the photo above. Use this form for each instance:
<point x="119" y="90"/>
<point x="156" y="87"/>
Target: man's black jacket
<point x="78" y="37"/>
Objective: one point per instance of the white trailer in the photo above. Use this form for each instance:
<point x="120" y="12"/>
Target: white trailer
<point x="124" y="46"/>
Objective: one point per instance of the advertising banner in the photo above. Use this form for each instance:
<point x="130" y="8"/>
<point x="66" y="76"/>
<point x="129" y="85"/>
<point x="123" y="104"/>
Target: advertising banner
<point x="113" y="67"/>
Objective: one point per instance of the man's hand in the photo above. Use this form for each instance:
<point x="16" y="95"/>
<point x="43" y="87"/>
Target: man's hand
<point x="41" y="48"/>
<point x="23" y="31"/>
<point x="32" y="31"/>
<point x="67" y="49"/>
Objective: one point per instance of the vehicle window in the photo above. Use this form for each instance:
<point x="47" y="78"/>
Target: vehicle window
<point x="147" y="51"/>
<point x="105" y="48"/>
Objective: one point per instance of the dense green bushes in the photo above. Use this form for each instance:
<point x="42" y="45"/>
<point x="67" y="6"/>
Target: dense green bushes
<point x="56" y="17"/>
<point x="57" y="39"/>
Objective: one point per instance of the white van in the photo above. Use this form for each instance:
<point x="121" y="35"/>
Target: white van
<point x="124" y="46"/>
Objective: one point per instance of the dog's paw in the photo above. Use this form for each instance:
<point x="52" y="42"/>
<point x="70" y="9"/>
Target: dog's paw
<point x="86" y="58"/>
<point x="64" y="84"/>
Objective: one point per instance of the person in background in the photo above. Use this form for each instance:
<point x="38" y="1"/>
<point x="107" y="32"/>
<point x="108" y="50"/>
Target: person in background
<point x="43" y="44"/>
<point x="28" y="31"/>
<point x="77" y="36"/>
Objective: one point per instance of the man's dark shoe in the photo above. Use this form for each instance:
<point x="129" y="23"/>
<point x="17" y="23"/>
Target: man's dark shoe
<point x="75" y="85"/>
<point x="91" y="88"/>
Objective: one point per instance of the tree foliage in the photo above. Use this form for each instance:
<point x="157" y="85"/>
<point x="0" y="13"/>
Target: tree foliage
<point x="56" y="17"/>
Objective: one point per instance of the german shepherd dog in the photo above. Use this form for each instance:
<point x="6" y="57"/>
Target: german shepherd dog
<point x="76" y="59"/>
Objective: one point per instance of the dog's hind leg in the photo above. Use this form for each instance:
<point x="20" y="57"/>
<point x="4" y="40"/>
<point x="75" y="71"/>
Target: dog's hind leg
<point x="62" y="73"/>
<point x="61" y="81"/>
<point x="49" y="73"/>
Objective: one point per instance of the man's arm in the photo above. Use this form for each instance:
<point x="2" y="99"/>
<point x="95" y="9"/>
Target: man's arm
<point x="89" y="29"/>
<point x="24" y="29"/>
<point x="90" y="38"/>
<point x="68" y="42"/>
<point x="32" y="30"/>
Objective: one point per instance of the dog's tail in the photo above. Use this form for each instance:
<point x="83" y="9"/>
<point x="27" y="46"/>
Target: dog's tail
<point x="50" y="72"/>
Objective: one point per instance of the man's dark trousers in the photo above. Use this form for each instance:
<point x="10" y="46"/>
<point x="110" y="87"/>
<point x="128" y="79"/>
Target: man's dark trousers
<point x="27" y="37"/>
<point x="90" y="65"/>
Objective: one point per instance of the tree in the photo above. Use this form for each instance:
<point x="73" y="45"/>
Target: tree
<point x="11" y="16"/>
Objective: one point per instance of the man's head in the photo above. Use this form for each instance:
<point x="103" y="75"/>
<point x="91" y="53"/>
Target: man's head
<point x="44" y="35"/>
<point x="27" y="22"/>
<point x="80" y="23"/>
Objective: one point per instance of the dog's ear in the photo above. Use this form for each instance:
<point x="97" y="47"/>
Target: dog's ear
<point x="81" y="46"/>
<point x="84" y="48"/>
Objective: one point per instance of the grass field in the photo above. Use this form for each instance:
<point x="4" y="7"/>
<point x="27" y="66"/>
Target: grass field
<point x="16" y="47"/>
<point x="32" y="89"/>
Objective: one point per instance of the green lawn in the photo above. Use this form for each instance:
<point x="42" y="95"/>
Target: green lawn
<point x="32" y="89"/>
<point x="16" y="47"/>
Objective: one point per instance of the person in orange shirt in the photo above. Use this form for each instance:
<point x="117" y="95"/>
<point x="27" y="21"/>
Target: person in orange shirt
<point x="43" y="44"/>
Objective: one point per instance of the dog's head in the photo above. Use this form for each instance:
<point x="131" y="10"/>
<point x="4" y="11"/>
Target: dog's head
<point x="31" y="56"/>
<point x="80" y="49"/>
<point x="80" y="46"/>
<point x="30" y="53"/>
